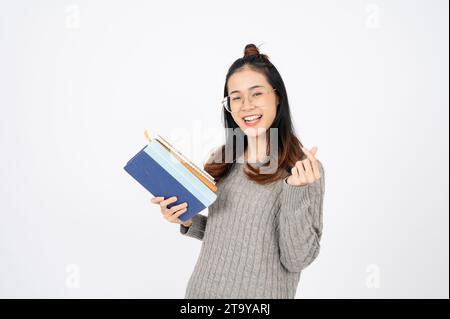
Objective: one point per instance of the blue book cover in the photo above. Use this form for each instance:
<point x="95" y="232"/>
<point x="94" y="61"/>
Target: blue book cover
<point x="160" y="173"/>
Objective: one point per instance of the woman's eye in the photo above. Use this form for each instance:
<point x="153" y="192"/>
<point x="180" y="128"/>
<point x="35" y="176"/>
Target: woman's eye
<point x="257" y="94"/>
<point x="235" y="98"/>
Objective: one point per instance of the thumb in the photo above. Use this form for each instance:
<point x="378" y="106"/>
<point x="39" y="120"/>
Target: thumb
<point x="314" y="150"/>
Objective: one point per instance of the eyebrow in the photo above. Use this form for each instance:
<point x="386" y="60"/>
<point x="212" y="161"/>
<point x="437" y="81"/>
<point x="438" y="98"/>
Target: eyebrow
<point x="252" y="87"/>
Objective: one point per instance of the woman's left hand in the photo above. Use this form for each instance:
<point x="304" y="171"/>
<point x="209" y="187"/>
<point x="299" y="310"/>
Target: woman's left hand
<point x="306" y="171"/>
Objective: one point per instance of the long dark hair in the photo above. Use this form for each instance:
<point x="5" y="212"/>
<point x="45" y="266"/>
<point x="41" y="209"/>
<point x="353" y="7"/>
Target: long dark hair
<point x="289" y="146"/>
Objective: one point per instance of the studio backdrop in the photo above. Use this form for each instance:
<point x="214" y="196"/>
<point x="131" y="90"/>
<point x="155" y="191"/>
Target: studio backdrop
<point x="80" y="81"/>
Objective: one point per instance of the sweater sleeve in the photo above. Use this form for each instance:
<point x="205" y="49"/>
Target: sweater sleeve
<point x="197" y="229"/>
<point x="300" y="223"/>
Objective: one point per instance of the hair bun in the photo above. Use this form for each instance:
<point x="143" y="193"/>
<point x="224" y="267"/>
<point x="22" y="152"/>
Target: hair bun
<point x="251" y="49"/>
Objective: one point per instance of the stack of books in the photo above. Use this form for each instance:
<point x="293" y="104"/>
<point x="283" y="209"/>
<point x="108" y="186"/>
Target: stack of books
<point x="166" y="172"/>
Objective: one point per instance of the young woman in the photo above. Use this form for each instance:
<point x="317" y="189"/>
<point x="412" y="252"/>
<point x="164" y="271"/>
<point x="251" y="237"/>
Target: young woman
<point x="264" y="228"/>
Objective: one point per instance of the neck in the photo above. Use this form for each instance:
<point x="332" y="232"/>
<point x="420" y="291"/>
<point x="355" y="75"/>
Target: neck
<point x="256" y="149"/>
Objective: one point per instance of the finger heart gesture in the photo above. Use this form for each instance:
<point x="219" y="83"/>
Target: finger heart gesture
<point x="305" y="171"/>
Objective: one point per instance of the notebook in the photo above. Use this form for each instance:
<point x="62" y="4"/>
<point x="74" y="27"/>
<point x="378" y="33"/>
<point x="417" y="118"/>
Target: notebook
<point x="164" y="171"/>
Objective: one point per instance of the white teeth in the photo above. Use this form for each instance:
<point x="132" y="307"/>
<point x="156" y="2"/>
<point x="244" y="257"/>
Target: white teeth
<point x="251" y="118"/>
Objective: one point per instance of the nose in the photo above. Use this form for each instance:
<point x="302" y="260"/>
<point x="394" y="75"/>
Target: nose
<point x="247" y="105"/>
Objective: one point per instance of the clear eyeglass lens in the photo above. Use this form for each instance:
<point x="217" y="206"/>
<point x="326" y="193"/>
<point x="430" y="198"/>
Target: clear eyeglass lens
<point x="234" y="102"/>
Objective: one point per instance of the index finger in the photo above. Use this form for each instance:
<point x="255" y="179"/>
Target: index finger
<point x="168" y="201"/>
<point x="313" y="160"/>
<point x="157" y="199"/>
<point x="310" y="156"/>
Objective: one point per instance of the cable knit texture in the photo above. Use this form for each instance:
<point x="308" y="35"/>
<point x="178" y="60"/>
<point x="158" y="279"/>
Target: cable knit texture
<point x="256" y="239"/>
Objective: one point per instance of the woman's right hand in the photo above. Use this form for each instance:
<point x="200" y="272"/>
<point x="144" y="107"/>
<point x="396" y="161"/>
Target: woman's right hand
<point x="172" y="214"/>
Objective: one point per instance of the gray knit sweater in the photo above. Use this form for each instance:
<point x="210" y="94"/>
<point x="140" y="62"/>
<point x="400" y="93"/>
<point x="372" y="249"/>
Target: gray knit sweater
<point x="256" y="239"/>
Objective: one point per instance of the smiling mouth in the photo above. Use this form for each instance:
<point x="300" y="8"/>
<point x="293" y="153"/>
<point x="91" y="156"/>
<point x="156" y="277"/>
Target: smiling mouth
<point x="251" y="119"/>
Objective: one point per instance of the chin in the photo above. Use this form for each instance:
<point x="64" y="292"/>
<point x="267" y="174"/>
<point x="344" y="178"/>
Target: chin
<point x="253" y="131"/>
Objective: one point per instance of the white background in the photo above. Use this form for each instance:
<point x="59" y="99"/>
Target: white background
<point x="80" y="81"/>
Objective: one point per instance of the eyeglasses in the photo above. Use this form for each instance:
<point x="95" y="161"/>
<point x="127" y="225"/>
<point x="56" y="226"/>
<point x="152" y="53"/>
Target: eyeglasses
<point x="234" y="102"/>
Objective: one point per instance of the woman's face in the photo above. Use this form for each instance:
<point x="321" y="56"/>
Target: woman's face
<point x="256" y="116"/>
